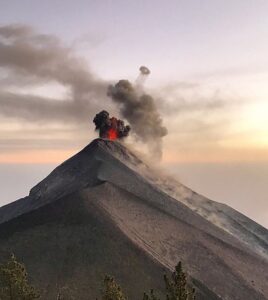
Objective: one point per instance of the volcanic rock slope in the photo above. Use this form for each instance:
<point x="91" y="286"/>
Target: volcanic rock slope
<point x="105" y="211"/>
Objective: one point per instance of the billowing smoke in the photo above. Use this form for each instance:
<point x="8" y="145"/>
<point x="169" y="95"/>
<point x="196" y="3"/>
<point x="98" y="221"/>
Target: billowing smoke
<point x="110" y="128"/>
<point x="29" y="59"/>
<point x="141" y="112"/>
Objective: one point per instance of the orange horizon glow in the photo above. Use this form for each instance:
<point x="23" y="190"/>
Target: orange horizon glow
<point x="220" y="155"/>
<point x="37" y="156"/>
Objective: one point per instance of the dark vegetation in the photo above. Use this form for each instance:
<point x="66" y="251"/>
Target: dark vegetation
<point x="14" y="285"/>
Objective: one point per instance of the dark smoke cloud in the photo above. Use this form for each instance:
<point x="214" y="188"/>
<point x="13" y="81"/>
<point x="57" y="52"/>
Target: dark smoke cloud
<point x="29" y="58"/>
<point x="141" y="112"/>
<point x="110" y="128"/>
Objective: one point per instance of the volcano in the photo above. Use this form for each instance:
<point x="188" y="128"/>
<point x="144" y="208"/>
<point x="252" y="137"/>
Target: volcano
<point x="104" y="211"/>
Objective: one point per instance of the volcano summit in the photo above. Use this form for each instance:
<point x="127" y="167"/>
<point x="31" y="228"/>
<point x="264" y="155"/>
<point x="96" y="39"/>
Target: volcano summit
<point x="105" y="211"/>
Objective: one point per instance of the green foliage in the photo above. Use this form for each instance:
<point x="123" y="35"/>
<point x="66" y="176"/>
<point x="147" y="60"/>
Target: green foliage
<point x="177" y="287"/>
<point x="111" y="290"/>
<point x="151" y="296"/>
<point x="14" y="282"/>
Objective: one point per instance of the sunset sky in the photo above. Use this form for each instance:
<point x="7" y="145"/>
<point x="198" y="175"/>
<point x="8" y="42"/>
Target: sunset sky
<point x="209" y="73"/>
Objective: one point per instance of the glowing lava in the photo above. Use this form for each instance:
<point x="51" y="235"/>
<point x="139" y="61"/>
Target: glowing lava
<point x="112" y="134"/>
<point x="110" y="128"/>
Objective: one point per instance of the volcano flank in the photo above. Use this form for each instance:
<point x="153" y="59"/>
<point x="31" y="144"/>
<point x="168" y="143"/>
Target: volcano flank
<point x="104" y="211"/>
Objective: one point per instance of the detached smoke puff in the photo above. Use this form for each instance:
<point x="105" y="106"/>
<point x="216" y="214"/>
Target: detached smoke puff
<point x="141" y="112"/>
<point x="110" y="128"/>
<point x="144" y="70"/>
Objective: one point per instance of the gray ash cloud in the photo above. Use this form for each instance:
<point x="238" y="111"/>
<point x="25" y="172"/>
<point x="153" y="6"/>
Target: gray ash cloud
<point x="29" y="59"/>
<point x="141" y="112"/>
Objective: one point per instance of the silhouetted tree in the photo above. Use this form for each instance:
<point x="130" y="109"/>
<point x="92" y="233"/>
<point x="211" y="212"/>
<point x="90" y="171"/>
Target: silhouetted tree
<point x="112" y="290"/>
<point x="151" y="296"/>
<point x="14" y="282"/>
<point x="177" y="287"/>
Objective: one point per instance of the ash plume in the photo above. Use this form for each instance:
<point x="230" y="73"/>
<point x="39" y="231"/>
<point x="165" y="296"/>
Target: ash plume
<point x="110" y="128"/>
<point x="141" y="112"/>
<point x="29" y="59"/>
<point x="32" y="59"/>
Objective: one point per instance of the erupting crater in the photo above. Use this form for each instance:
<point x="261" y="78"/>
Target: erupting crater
<point x="110" y="128"/>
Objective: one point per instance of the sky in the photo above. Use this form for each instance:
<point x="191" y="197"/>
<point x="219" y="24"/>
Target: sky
<point x="209" y="72"/>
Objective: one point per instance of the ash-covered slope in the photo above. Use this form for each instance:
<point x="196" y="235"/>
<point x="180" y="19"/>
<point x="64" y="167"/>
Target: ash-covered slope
<point x="221" y="215"/>
<point x="105" y="211"/>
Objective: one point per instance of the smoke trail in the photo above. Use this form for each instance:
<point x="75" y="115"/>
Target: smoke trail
<point x="29" y="59"/>
<point x="144" y="73"/>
